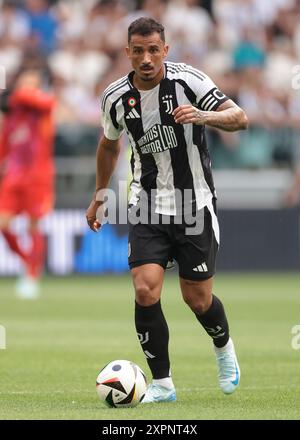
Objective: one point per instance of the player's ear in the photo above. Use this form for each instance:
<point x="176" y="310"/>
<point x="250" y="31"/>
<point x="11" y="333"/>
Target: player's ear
<point x="127" y="51"/>
<point x="166" y="50"/>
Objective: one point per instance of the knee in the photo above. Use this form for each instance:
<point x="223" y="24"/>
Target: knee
<point x="198" y="305"/>
<point x="198" y="298"/>
<point x="147" y="281"/>
<point x="144" y="294"/>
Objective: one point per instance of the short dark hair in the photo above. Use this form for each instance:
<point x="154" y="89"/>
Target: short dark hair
<point x="146" y="26"/>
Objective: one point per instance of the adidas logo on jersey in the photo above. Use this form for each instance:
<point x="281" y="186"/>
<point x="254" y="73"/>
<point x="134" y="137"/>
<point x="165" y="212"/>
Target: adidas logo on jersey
<point x="201" y="268"/>
<point x="133" y="114"/>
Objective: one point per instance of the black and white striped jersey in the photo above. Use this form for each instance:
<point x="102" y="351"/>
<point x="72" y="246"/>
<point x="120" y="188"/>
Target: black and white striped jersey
<point x="166" y="157"/>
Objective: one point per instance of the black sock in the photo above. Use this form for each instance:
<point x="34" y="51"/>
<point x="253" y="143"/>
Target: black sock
<point x="215" y="323"/>
<point x="153" y="334"/>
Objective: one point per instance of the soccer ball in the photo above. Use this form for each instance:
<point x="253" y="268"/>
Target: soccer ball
<point x="121" y="384"/>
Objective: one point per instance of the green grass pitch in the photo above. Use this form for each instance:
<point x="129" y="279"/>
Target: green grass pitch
<point x="57" y="345"/>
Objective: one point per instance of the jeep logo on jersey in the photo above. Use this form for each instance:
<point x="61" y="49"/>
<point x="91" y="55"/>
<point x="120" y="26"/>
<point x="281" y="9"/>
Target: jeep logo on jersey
<point x="158" y="139"/>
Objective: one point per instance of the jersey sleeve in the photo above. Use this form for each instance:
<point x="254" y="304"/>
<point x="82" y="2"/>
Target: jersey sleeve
<point x="112" y="129"/>
<point x="208" y="96"/>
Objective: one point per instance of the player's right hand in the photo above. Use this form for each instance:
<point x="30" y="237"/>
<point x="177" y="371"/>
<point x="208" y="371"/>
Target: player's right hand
<point x="91" y="215"/>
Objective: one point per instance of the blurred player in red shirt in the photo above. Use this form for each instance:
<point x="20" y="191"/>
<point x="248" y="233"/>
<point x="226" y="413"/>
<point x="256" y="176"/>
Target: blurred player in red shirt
<point x="27" y="171"/>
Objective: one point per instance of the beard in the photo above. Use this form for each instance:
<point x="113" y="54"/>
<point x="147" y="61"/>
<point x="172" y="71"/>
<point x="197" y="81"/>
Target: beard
<point x="147" y="78"/>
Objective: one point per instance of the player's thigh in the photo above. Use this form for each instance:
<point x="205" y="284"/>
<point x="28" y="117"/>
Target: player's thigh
<point x="149" y="249"/>
<point x="196" y="253"/>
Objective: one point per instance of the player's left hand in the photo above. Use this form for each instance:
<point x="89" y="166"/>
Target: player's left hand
<point x="188" y="114"/>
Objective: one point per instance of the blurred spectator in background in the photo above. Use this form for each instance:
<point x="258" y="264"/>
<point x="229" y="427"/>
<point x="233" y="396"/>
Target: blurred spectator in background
<point x="43" y="24"/>
<point x="190" y="29"/>
<point x="14" y="24"/>
<point x="27" y="170"/>
<point x="249" y="46"/>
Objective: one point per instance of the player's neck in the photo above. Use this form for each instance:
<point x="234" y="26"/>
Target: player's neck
<point x="140" y="84"/>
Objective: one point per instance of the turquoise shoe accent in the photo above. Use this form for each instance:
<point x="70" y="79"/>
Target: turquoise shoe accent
<point x="157" y="393"/>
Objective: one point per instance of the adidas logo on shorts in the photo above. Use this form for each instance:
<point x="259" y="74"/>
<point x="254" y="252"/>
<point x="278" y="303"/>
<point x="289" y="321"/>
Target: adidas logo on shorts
<point x="201" y="268"/>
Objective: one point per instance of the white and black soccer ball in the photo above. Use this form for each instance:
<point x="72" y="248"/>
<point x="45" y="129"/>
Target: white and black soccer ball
<point x="121" y="384"/>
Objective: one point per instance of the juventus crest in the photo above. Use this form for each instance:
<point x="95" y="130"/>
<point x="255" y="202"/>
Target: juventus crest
<point x="167" y="100"/>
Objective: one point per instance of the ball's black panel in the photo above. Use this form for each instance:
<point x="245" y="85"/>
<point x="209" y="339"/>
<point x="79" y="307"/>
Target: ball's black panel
<point x="129" y="398"/>
<point x="109" y="400"/>
<point x="115" y="385"/>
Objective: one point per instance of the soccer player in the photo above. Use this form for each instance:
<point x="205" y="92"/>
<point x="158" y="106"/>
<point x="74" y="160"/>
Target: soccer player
<point x="27" y="169"/>
<point x="164" y="107"/>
